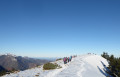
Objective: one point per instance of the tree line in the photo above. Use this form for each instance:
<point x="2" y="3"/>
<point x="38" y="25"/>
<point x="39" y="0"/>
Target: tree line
<point x="114" y="64"/>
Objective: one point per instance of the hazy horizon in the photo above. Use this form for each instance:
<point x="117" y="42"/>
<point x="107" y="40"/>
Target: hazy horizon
<point x="57" y="28"/>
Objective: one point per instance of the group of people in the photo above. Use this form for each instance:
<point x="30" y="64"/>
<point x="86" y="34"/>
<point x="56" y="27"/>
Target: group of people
<point x="68" y="59"/>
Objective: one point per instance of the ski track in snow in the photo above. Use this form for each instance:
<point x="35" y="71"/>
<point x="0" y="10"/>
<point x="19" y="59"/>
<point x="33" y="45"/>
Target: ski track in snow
<point x="81" y="66"/>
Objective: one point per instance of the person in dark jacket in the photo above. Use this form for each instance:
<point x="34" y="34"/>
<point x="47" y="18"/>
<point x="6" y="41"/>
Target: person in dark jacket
<point x="68" y="59"/>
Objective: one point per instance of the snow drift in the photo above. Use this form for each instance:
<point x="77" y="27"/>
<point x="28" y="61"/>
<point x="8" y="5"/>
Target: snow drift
<point x="81" y="66"/>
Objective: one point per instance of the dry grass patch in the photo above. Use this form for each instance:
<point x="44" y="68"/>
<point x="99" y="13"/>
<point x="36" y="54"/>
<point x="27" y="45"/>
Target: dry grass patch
<point x="49" y="66"/>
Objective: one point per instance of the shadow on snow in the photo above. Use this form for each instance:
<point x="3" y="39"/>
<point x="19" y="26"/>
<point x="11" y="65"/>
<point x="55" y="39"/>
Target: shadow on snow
<point x="105" y="70"/>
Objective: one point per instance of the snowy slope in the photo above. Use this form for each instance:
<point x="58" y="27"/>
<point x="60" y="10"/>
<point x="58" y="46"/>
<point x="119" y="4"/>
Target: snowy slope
<point x="81" y="66"/>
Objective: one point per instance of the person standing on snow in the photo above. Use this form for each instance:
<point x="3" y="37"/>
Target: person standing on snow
<point x="68" y="59"/>
<point x="64" y="60"/>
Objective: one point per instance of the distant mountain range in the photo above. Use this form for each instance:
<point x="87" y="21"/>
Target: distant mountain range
<point x="10" y="62"/>
<point x="47" y="58"/>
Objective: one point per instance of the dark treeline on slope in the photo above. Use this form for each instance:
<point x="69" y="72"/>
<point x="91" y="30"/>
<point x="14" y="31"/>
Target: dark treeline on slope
<point x="114" y="64"/>
<point x="2" y="71"/>
<point x="10" y="63"/>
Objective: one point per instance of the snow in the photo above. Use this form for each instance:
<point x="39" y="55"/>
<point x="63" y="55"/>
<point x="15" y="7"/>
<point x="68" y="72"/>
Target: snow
<point x="88" y="65"/>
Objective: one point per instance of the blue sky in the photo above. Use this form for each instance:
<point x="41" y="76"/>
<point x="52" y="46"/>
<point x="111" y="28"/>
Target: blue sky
<point x="55" y="28"/>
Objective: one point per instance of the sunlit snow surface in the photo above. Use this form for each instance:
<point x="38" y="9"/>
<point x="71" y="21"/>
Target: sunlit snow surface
<point x="81" y="66"/>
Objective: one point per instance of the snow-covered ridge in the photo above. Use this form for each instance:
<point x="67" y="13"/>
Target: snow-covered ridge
<point x="81" y="66"/>
<point x="8" y="54"/>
